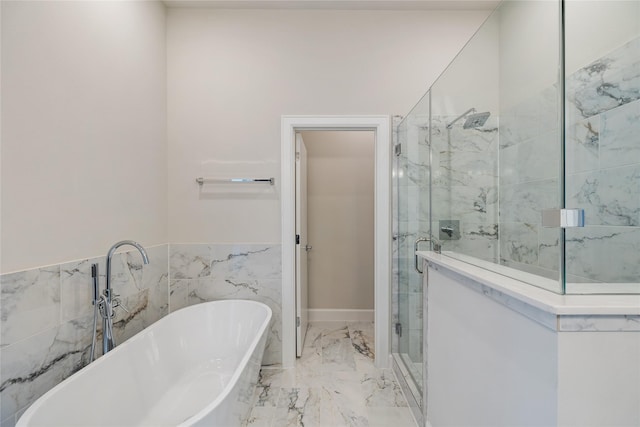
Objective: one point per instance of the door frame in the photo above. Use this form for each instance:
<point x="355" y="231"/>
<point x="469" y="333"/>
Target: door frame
<point x="381" y="125"/>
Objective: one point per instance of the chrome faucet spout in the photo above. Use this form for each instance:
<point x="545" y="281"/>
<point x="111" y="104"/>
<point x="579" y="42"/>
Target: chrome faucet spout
<point x="108" y="342"/>
<point x="112" y="250"/>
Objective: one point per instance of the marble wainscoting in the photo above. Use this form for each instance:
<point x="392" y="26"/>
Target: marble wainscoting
<point x="47" y="320"/>
<point x="208" y="272"/>
<point x="603" y="169"/>
<point x="334" y="383"/>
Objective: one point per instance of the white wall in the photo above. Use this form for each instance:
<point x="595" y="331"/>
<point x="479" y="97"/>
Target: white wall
<point x="599" y="379"/>
<point x="232" y="74"/>
<point x="487" y="365"/>
<point x="83" y="129"/>
<point x="618" y="21"/>
<point x="340" y="218"/>
<point x="473" y="79"/>
<point x="498" y="361"/>
<point x="529" y="49"/>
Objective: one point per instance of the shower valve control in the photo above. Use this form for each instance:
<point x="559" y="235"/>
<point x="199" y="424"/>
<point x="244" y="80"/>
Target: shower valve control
<point x="449" y="229"/>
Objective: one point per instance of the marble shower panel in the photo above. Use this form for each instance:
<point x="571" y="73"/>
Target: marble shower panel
<point x="465" y="185"/>
<point x="602" y="173"/>
<point x="605" y="84"/>
<point x="529" y="182"/>
<point x="603" y="168"/>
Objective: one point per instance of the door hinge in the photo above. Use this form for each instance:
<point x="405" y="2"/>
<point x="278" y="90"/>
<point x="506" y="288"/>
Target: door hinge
<point x="399" y="329"/>
<point x="297" y="239"/>
<point x="298" y="321"/>
<point x="563" y="218"/>
<point x="397" y="149"/>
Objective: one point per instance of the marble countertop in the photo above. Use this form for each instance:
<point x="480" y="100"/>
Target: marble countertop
<point x="579" y="305"/>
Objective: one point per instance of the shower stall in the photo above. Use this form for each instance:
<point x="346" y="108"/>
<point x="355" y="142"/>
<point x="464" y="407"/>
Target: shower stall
<point x="537" y="117"/>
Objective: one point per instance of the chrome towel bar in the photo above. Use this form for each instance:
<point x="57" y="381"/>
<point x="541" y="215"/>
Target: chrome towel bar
<point x="202" y="180"/>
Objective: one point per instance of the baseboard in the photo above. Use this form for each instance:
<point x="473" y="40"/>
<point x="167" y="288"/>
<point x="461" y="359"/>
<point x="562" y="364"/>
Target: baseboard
<point x="340" y="315"/>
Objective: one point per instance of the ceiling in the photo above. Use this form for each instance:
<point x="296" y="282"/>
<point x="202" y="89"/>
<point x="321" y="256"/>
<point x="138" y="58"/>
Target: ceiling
<point x="338" y="4"/>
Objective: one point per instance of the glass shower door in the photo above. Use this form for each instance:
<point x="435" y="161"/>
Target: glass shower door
<point x="412" y="180"/>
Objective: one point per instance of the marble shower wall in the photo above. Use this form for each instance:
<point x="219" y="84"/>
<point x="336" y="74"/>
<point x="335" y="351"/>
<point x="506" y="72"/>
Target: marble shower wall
<point x="529" y="183"/>
<point x="47" y="320"/>
<point x="465" y="185"/>
<point x="208" y="272"/>
<point x="465" y="188"/>
<point x="603" y="168"/>
<point x="602" y="174"/>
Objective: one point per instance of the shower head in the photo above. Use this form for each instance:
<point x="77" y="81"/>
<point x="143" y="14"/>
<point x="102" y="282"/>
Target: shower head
<point x="473" y="120"/>
<point x="476" y="120"/>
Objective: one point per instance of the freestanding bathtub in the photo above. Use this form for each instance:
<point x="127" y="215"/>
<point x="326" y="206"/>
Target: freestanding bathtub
<point x="196" y="367"/>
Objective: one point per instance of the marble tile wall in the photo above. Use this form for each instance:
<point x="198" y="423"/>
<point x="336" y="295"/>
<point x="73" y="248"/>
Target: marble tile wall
<point x="465" y="185"/>
<point x="465" y="188"/>
<point x="208" y="272"/>
<point x="602" y="174"/>
<point x="46" y="320"/>
<point x="603" y="167"/>
<point x="529" y="182"/>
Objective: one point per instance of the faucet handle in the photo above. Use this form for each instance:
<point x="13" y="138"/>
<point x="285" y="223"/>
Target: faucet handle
<point x="118" y="303"/>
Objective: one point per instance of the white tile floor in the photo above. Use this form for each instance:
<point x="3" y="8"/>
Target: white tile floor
<point x="333" y="384"/>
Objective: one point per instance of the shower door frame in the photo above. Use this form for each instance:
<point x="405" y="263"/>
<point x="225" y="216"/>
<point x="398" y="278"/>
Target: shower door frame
<point x="381" y="125"/>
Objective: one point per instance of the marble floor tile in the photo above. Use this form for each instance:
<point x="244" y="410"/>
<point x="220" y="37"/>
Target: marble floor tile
<point x="337" y="354"/>
<point x="390" y="417"/>
<point x="266" y="396"/>
<point x="313" y="337"/>
<point x="343" y="407"/>
<point x="260" y="417"/>
<point x="298" y="407"/>
<point x="277" y="377"/>
<point x="334" y="384"/>
<point x="381" y="390"/>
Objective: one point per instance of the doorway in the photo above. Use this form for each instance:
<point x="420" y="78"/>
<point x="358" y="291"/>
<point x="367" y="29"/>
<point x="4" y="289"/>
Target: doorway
<point x="379" y="125"/>
<point x="339" y="198"/>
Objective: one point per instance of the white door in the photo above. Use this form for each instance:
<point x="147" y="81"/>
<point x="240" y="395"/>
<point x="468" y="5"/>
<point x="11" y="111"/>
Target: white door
<point x="302" y="246"/>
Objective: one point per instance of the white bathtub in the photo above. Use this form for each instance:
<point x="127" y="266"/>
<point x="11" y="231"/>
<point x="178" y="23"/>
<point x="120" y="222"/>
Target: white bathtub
<point x="198" y="366"/>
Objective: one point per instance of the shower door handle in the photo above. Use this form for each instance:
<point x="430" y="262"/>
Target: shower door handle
<point x="415" y="249"/>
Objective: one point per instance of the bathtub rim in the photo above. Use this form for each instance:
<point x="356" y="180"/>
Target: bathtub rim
<point x="241" y="366"/>
<point x="31" y="410"/>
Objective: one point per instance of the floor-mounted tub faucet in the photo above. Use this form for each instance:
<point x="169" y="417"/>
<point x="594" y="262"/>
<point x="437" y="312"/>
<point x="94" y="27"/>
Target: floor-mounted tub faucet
<point x="107" y="299"/>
